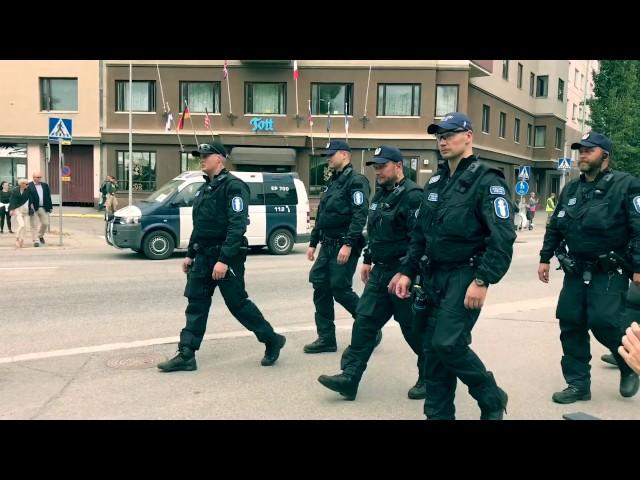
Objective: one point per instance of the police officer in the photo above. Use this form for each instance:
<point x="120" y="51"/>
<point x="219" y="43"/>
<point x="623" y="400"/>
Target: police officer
<point x="391" y="219"/>
<point x="597" y="213"/>
<point x="465" y="228"/>
<point x="216" y="255"/>
<point x="341" y="217"/>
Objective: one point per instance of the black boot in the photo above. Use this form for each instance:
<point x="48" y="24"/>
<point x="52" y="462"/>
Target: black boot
<point x="571" y="394"/>
<point x="321" y="345"/>
<point x="609" y="358"/>
<point x="629" y="384"/>
<point x="498" y="413"/>
<point x="344" y="384"/>
<point x="272" y="352"/>
<point x="184" y="360"/>
<point x="418" y="391"/>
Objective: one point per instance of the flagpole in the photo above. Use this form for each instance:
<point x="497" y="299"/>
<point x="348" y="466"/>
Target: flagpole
<point x="296" y="73"/>
<point x="229" y="92"/>
<point x="311" y="127"/>
<point x="173" y="120"/>
<point x="192" y="125"/>
<point x="130" y="134"/>
<point x="209" y="123"/>
<point x="366" y="99"/>
<point x="167" y="108"/>
<point x="346" y="123"/>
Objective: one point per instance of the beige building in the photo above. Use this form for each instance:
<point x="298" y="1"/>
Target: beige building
<point x="580" y="89"/>
<point x="30" y="93"/>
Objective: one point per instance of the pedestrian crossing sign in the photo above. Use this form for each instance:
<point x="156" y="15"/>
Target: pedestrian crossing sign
<point x="60" y="129"/>
<point x="564" y="164"/>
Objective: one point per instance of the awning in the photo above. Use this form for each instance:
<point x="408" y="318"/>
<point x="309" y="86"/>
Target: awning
<point x="263" y="156"/>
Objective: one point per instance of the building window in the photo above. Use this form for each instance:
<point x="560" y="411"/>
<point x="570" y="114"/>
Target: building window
<point x="532" y="83"/>
<point x="520" y="70"/>
<point x="188" y="162"/>
<point x="59" y="94"/>
<point x="144" y="171"/>
<point x="398" y="100"/>
<point x="575" y="78"/>
<point x="486" y="114"/>
<point x="560" y="89"/>
<point x="542" y="86"/>
<point x="319" y="174"/>
<point x="200" y="96"/>
<point x="574" y="112"/>
<point x="516" y="131"/>
<point x="579" y="113"/>
<point x="539" y="137"/>
<point x="505" y="69"/>
<point x="446" y="99"/>
<point x="410" y="167"/>
<point x="581" y="80"/>
<point x="334" y="94"/>
<point x="265" y="98"/>
<point x="143" y="96"/>
<point x="529" y="132"/>
<point x="558" y="138"/>
<point x="502" y="127"/>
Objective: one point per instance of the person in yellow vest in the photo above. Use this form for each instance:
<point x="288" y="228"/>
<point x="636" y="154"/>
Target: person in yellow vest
<point x="111" y="204"/>
<point x="551" y="206"/>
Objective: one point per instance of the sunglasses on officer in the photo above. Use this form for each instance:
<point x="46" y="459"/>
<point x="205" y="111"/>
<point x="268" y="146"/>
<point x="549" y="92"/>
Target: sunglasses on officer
<point x="447" y="135"/>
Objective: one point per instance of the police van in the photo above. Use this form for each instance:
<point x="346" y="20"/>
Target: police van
<point x="278" y="215"/>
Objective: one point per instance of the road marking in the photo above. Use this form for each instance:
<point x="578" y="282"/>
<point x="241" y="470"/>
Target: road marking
<point x="346" y="324"/>
<point x="27" y="268"/>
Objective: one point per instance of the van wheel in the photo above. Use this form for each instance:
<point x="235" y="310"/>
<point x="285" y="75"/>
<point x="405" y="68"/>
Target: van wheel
<point x="158" y="245"/>
<point x="280" y="242"/>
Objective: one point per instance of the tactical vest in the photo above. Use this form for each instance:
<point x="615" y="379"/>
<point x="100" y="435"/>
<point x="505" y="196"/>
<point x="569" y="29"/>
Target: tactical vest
<point x="596" y="224"/>
<point x="388" y="231"/>
<point x="335" y="204"/>
<point x="448" y="215"/>
<point x="210" y="210"/>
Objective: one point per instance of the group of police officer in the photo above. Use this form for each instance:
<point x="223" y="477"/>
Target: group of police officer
<point x="430" y="256"/>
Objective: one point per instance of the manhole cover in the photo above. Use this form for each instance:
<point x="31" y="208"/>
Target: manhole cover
<point x="136" y="362"/>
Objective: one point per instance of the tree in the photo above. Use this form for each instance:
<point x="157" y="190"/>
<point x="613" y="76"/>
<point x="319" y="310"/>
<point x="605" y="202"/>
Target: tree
<point x="615" y="111"/>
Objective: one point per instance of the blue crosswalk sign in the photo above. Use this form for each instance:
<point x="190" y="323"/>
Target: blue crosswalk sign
<point x="525" y="172"/>
<point x="60" y="129"/>
<point x="564" y="163"/>
<point x="522" y="188"/>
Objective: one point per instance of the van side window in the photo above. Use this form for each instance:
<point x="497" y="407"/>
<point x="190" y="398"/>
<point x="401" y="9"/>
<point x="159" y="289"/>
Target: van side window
<point x="256" y="193"/>
<point x="280" y="193"/>
<point x="186" y="196"/>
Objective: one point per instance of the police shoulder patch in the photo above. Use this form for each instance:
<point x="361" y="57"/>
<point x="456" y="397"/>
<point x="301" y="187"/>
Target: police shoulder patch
<point x="636" y="203"/>
<point x="572" y="201"/>
<point x="501" y="207"/>
<point x="358" y="197"/>
<point x="561" y="213"/>
<point x="497" y="190"/>
<point x="433" y="197"/>
<point x="237" y="204"/>
<point x="434" y="179"/>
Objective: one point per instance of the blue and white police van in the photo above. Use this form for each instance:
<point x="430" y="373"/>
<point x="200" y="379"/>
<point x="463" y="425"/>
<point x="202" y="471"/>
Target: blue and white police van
<point x="278" y="215"/>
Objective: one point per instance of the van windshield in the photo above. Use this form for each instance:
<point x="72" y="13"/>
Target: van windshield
<point x="165" y="191"/>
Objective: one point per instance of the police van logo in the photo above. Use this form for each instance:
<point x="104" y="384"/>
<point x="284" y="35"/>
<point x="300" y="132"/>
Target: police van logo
<point x="636" y="203"/>
<point x="434" y="179"/>
<point x="433" y="197"/>
<point x="358" y="198"/>
<point x="561" y="214"/>
<point x="501" y="207"/>
<point x="373" y="206"/>
<point x="572" y="201"/>
<point x="237" y="204"/>
<point x="497" y="190"/>
<point x="586" y="135"/>
<point x="377" y="152"/>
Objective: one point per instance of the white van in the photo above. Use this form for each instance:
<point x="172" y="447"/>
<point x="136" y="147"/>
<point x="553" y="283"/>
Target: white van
<point x="278" y="215"/>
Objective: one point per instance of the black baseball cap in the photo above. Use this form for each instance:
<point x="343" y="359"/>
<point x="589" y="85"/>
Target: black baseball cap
<point x="593" y="139"/>
<point x="451" y="122"/>
<point x="334" y="145"/>
<point x="384" y="154"/>
<point x="206" y="149"/>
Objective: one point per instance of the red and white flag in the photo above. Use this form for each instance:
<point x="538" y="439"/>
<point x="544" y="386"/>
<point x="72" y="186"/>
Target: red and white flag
<point x="296" y="73"/>
<point x="225" y="70"/>
<point x="207" y="120"/>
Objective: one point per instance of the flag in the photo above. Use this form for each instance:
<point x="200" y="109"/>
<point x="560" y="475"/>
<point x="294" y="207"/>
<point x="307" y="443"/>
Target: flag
<point x="225" y="70"/>
<point x="296" y="73"/>
<point x="346" y="120"/>
<point x="207" y="120"/>
<point x="185" y="114"/>
<point x="329" y="117"/>
<point x="169" y="116"/>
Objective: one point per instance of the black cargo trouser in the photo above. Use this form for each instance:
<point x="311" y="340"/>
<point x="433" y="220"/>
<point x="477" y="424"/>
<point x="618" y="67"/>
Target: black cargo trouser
<point x="332" y="281"/>
<point x="199" y="290"/>
<point x="4" y="212"/>
<point x="446" y="347"/>
<point x="374" y="310"/>
<point x="599" y="307"/>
